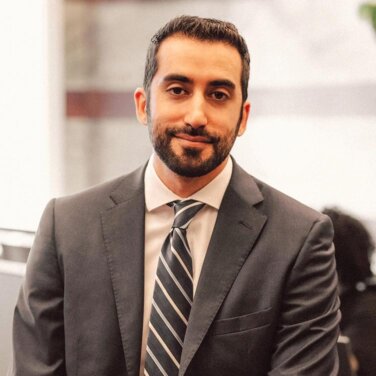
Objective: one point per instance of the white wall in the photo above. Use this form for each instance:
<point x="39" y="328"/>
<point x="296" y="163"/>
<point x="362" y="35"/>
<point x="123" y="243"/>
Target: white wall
<point x="320" y="161"/>
<point x="30" y="108"/>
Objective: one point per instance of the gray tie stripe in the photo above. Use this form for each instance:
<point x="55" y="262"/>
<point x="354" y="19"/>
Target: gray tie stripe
<point x="173" y="295"/>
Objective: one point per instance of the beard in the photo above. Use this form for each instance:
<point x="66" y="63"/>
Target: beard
<point x="191" y="162"/>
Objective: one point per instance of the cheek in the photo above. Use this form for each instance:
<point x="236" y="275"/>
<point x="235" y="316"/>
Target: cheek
<point x="162" y="109"/>
<point x="226" y="117"/>
<point x="165" y="115"/>
<point x="224" y="127"/>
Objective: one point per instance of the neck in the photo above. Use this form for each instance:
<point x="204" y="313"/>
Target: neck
<point x="181" y="185"/>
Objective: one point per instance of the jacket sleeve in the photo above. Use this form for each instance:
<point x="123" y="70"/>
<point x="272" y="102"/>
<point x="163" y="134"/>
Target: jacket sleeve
<point x="38" y="324"/>
<point x="308" y="330"/>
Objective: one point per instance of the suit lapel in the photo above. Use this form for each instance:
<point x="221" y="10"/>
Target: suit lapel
<point x="123" y="231"/>
<point x="228" y="250"/>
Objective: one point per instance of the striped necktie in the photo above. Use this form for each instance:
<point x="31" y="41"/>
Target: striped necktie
<point x="173" y="296"/>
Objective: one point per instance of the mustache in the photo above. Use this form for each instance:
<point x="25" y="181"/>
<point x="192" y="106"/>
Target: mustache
<point x="193" y="132"/>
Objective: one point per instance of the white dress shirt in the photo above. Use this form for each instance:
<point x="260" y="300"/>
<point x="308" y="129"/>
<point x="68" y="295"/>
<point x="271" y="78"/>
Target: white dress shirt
<point x="158" y="221"/>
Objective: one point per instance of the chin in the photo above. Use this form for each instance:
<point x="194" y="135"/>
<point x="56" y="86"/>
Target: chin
<point x="191" y="168"/>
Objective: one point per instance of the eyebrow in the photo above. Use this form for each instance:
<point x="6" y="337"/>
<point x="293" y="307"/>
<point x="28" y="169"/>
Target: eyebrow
<point x="223" y="83"/>
<point x="177" y="77"/>
<point x="184" y="79"/>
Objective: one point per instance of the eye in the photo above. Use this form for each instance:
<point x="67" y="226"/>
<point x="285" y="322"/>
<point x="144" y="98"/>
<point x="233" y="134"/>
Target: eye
<point x="177" y="90"/>
<point x="219" y="96"/>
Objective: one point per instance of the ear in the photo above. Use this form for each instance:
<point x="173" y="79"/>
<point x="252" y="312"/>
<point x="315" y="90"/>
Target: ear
<point x="246" y="110"/>
<point x="140" y="103"/>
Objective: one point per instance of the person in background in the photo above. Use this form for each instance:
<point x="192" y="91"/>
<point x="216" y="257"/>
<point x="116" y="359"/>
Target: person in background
<point x="353" y="248"/>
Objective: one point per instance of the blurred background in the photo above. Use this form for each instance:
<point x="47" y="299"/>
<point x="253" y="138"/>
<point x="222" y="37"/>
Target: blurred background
<point x="69" y="69"/>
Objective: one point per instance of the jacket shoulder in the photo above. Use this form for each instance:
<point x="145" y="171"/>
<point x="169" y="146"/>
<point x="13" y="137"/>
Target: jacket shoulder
<point x="280" y="204"/>
<point x="102" y="196"/>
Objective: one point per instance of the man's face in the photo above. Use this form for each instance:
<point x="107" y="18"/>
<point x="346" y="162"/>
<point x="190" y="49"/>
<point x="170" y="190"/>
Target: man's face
<point x="195" y="108"/>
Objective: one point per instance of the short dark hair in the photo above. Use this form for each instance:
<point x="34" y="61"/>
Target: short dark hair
<point x="205" y="29"/>
<point x="353" y="247"/>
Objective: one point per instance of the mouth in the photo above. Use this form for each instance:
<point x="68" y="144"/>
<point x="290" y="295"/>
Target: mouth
<point x="193" y="139"/>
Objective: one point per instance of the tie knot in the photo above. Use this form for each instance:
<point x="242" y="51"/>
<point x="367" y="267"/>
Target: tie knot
<point x="185" y="210"/>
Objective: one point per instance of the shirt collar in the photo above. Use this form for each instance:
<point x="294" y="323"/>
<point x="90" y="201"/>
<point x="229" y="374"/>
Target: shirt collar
<point x="157" y="194"/>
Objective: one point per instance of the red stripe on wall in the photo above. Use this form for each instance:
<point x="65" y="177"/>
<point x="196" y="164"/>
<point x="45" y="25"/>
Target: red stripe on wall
<point x="108" y="1"/>
<point x="99" y="104"/>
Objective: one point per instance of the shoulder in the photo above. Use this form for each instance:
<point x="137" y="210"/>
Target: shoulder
<point x="276" y="205"/>
<point x="102" y="196"/>
<point x="279" y="204"/>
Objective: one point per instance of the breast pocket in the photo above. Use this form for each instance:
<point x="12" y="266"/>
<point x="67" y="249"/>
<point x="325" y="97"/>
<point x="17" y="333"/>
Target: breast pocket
<point x="242" y="323"/>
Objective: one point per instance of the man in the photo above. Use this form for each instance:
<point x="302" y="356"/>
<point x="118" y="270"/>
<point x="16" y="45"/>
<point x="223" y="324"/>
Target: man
<point x="249" y="288"/>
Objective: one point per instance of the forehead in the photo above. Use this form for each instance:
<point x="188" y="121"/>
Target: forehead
<point x="198" y="59"/>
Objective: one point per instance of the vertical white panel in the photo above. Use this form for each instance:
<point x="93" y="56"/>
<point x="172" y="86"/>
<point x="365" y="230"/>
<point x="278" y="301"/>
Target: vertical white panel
<point x="56" y="95"/>
<point x="26" y="99"/>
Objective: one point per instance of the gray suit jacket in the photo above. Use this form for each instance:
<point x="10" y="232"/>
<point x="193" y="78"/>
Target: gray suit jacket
<point x="266" y="302"/>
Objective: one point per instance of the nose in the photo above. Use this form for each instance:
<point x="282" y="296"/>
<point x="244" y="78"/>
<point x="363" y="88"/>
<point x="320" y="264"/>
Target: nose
<point x="195" y="115"/>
